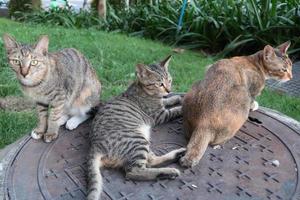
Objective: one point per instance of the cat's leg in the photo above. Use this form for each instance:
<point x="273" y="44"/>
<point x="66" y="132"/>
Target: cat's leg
<point x="75" y="121"/>
<point x="254" y="105"/>
<point x="136" y="166"/>
<point x="168" y="114"/>
<point x="172" y="156"/>
<point x="56" y="118"/>
<point x="40" y="130"/>
<point x="79" y="115"/>
<point x="173" y="100"/>
<point x="144" y="173"/>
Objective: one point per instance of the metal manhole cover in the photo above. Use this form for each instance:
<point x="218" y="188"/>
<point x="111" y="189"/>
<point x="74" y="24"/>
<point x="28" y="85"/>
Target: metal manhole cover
<point x="260" y="162"/>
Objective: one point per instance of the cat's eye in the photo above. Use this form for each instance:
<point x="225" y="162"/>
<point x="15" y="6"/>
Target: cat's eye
<point x="33" y="62"/>
<point x="161" y="85"/>
<point x="15" y="62"/>
<point x="284" y="69"/>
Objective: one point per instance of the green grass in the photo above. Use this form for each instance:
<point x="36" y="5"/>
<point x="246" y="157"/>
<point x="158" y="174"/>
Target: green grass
<point x="114" y="56"/>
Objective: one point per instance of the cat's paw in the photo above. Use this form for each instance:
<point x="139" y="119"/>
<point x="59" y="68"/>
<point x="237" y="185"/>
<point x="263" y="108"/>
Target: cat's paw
<point x="72" y="123"/>
<point x="36" y="135"/>
<point x="254" y="106"/>
<point x="75" y="121"/>
<point x="49" y="137"/>
<point x="185" y="162"/>
<point x="171" y="174"/>
<point x="218" y="146"/>
<point x="179" y="153"/>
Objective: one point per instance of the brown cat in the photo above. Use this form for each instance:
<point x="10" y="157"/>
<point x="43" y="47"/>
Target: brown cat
<point x="216" y="107"/>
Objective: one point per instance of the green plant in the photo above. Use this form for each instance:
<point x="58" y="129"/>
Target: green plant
<point x="216" y="26"/>
<point x="23" y="6"/>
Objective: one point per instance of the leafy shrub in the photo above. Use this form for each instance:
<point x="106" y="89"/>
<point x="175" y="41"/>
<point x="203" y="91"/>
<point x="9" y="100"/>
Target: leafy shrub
<point x="229" y="27"/>
<point x="22" y="6"/>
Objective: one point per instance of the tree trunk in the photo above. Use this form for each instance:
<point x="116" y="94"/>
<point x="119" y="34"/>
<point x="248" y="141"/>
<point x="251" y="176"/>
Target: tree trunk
<point x="36" y="4"/>
<point x="101" y="7"/>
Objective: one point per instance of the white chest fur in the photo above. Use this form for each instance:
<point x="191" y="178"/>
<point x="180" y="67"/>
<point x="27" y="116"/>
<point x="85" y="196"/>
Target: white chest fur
<point x="145" y="129"/>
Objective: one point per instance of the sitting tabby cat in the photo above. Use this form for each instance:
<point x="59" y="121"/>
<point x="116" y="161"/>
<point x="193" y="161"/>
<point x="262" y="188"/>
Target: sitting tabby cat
<point x="120" y="135"/>
<point x="216" y="107"/>
<point x="63" y="81"/>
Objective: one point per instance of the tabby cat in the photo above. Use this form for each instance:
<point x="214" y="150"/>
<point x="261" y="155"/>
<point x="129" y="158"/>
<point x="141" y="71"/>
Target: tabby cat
<point x="63" y="81"/>
<point x="120" y="135"/>
<point x="216" y="107"/>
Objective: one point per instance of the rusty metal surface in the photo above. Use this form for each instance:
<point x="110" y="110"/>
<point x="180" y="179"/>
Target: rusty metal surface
<point x="243" y="169"/>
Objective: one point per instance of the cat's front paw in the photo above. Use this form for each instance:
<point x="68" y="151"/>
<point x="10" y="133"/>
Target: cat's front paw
<point x="49" y="137"/>
<point x="186" y="162"/>
<point x="36" y="135"/>
<point x="254" y="106"/>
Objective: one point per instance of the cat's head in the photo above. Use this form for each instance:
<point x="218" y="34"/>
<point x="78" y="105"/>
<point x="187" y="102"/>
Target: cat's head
<point x="277" y="63"/>
<point x="30" y="63"/>
<point x="155" y="79"/>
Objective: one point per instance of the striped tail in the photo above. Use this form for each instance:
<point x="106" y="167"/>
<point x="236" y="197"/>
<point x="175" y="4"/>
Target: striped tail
<point x="94" y="177"/>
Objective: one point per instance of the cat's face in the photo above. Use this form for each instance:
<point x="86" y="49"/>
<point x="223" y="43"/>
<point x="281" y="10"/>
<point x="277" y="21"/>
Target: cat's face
<point x="28" y="62"/>
<point x="277" y="63"/>
<point x="155" y="78"/>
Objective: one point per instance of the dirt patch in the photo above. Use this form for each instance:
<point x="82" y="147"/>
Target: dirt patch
<point x="13" y="103"/>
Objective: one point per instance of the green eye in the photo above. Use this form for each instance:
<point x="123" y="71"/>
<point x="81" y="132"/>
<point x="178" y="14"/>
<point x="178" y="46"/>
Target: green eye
<point x="15" y="62"/>
<point x="33" y="62"/>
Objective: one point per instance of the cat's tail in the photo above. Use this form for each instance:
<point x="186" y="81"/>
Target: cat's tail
<point x="196" y="148"/>
<point x="94" y="176"/>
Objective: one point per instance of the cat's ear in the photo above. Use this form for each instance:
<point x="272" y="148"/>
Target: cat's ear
<point x="9" y="42"/>
<point x="165" y="62"/>
<point x="284" y="47"/>
<point x="142" y="71"/>
<point x="269" y="53"/>
<point x="42" y="45"/>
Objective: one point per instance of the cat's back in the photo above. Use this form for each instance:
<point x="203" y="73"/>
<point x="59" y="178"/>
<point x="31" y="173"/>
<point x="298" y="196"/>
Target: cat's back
<point x="70" y="60"/>
<point x="70" y="55"/>
<point x="120" y="112"/>
<point x="223" y="85"/>
<point x="223" y="75"/>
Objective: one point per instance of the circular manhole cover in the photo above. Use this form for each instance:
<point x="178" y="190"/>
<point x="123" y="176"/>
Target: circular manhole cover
<point x="260" y="162"/>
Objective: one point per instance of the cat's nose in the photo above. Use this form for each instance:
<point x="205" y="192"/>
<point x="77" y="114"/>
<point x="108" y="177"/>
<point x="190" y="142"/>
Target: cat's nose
<point x="24" y="72"/>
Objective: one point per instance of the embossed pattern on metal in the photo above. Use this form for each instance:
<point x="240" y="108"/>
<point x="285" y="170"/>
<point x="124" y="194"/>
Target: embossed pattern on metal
<point x="260" y="162"/>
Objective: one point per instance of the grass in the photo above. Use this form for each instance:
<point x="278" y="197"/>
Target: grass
<point x="114" y="57"/>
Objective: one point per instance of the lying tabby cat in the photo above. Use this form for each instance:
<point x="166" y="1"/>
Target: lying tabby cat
<point x="216" y="107"/>
<point x="120" y="134"/>
<point x="63" y="81"/>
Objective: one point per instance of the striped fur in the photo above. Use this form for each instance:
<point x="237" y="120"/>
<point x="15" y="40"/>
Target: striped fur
<point x="120" y="133"/>
<point x="63" y="81"/>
